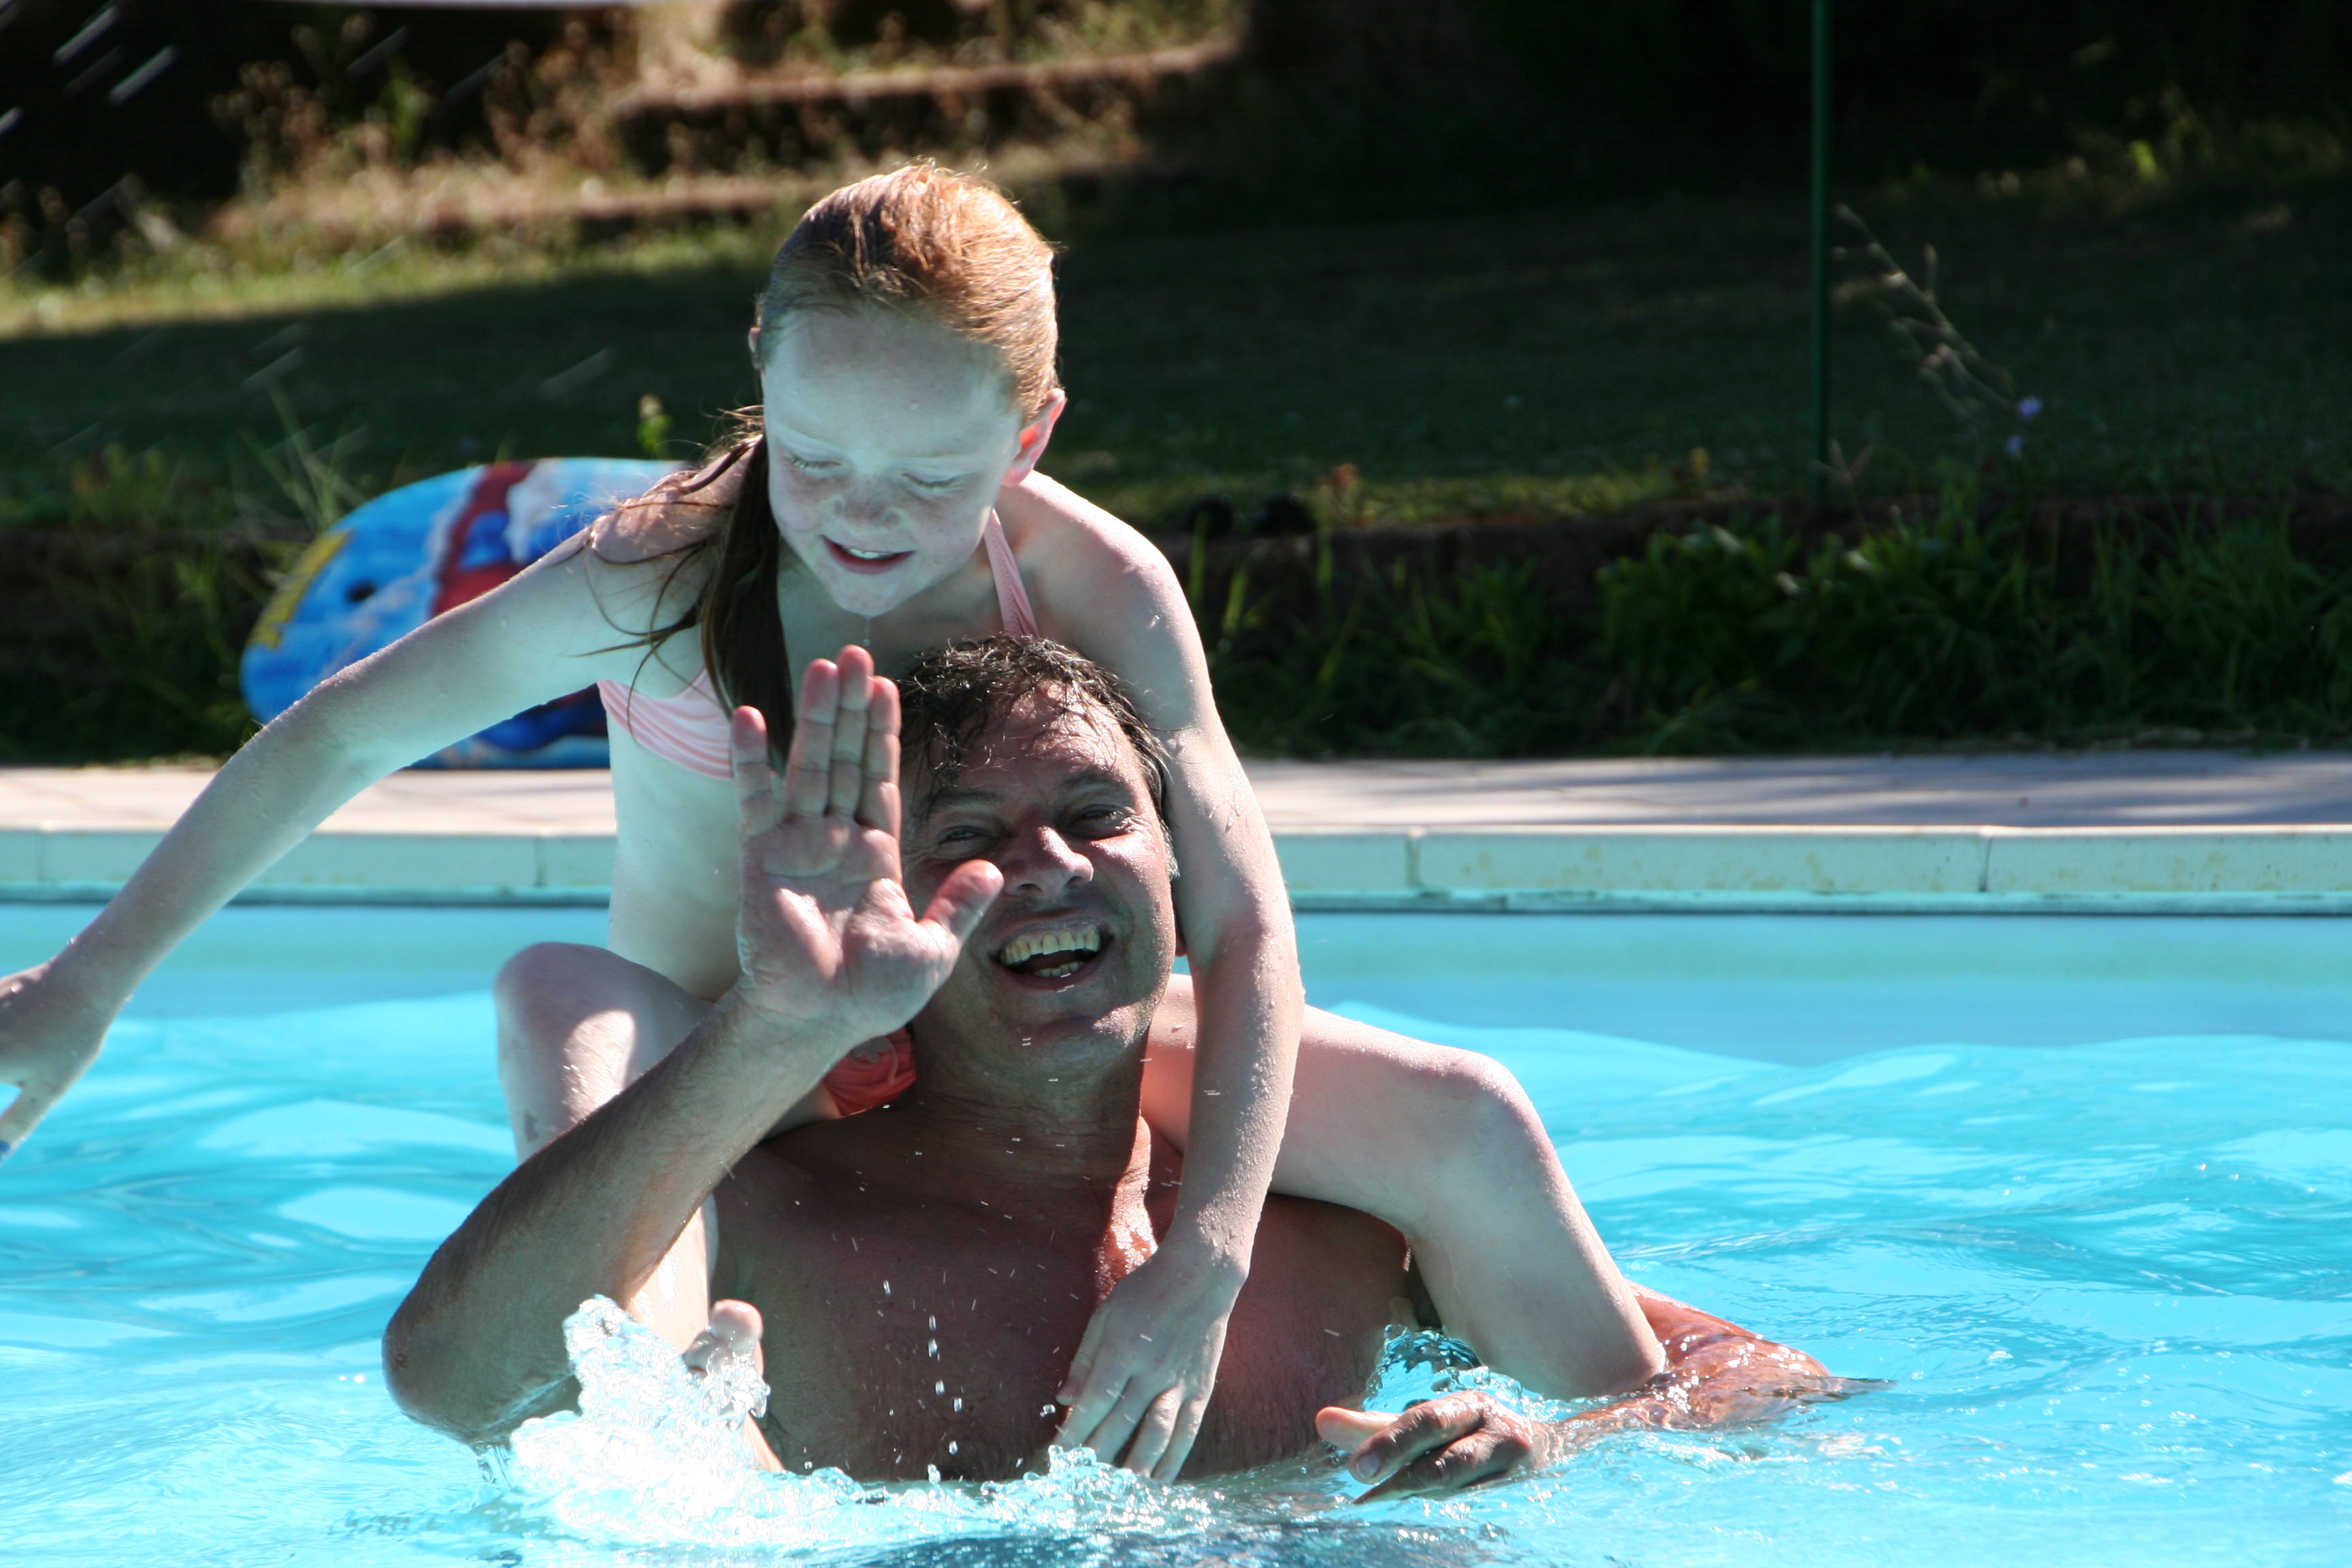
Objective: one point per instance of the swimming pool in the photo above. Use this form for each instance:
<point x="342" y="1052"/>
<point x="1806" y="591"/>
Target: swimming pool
<point x="2080" y="1187"/>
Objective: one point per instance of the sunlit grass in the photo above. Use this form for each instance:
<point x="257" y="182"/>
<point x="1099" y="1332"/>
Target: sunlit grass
<point x="1543" y="363"/>
<point x="213" y="283"/>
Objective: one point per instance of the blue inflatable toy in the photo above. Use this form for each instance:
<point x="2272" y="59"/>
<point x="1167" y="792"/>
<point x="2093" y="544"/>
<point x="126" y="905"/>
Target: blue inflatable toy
<point x="410" y="554"/>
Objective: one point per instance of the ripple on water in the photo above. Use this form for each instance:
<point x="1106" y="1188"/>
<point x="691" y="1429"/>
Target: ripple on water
<point x="2112" y="1284"/>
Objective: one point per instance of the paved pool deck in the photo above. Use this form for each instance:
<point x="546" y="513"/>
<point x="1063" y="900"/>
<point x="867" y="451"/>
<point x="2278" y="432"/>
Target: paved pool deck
<point x="2158" y="831"/>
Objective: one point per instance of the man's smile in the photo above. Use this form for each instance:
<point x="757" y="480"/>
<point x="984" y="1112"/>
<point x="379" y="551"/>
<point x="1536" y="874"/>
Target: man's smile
<point x="1054" y="953"/>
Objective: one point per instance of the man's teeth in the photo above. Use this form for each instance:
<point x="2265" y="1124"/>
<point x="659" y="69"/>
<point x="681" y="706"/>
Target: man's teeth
<point x="1076" y="940"/>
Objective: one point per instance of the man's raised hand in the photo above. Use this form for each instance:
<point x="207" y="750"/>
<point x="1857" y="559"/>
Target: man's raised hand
<point x="825" y="933"/>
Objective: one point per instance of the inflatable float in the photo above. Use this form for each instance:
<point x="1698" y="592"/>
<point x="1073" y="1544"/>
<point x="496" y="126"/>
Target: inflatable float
<point x="413" y="552"/>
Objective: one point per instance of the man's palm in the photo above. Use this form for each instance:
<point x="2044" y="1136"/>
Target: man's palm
<point x="825" y="930"/>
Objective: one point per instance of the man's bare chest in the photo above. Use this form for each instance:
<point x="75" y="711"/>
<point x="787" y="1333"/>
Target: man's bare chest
<point x="897" y="1343"/>
<point x="895" y="1347"/>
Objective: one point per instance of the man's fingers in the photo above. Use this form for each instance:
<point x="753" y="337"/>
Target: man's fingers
<point x="808" y="773"/>
<point x="1345" y="1428"/>
<point x="755" y="775"/>
<point x="738" y="1323"/>
<point x="877" y="806"/>
<point x="1451" y="1468"/>
<point x="963" y="897"/>
<point x="1420" y="1430"/>
<point x="735" y="1328"/>
<point x="846" y="773"/>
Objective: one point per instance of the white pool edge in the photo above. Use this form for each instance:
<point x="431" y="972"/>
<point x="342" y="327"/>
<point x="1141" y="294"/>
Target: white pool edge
<point x="2265" y="868"/>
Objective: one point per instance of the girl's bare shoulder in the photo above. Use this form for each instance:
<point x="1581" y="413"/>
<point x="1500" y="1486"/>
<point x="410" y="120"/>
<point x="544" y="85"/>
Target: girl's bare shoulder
<point x="1107" y="591"/>
<point x="676" y="514"/>
<point x="1070" y="549"/>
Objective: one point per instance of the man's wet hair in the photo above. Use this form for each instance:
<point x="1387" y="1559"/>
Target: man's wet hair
<point x="955" y="697"/>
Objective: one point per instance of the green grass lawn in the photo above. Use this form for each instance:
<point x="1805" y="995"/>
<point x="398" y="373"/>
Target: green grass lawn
<point x="1537" y="361"/>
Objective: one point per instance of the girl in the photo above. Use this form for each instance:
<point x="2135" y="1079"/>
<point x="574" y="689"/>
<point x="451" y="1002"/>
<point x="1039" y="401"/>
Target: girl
<point x="890" y="502"/>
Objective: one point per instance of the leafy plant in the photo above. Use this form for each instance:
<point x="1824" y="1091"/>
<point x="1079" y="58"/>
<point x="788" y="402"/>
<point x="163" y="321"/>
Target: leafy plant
<point x="1954" y="627"/>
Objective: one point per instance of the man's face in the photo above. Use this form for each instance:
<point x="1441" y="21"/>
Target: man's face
<point x="1068" y="965"/>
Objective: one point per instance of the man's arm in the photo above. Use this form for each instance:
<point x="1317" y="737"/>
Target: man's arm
<point x="832" y="956"/>
<point x="1718" y="1374"/>
<point x="477" y="1347"/>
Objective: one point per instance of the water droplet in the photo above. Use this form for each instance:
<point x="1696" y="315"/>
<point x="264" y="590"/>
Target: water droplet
<point x="959" y="1404"/>
<point x="941" y="1387"/>
<point x="885" y="1286"/>
<point x="935" y="1470"/>
<point x="935" y="1347"/>
<point x="951" y="1447"/>
<point x="935" y="1323"/>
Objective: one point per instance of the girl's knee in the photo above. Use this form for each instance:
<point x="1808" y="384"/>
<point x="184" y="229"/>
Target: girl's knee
<point x="542" y="968"/>
<point x="541" y="991"/>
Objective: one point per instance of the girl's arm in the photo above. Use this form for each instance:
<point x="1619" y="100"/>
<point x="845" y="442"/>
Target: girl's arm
<point x="1149" y="1360"/>
<point x="536" y="637"/>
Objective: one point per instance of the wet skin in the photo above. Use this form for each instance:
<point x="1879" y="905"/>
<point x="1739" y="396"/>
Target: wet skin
<point x="1018" y="1169"/>
<point x="814" y="1224"/>
<point x="1005" y="1195"/>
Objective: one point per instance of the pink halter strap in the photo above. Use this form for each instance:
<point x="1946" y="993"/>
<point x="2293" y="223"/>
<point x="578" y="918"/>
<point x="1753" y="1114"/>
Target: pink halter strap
<point x="1011" y="594"/>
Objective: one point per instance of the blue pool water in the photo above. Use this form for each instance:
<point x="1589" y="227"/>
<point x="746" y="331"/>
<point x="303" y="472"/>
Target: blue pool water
<point x="2080" y="1188"/>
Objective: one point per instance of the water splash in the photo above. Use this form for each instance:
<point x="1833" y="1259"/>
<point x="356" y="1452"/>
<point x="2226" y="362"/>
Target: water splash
<point x="655" y="1456"/>
<point x="1423" y="1363"/>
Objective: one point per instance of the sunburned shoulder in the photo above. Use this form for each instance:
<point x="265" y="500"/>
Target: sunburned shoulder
<point x="679" y="512"/>
<point x="1107" y="591"/>
<point x="1063" y="538"/>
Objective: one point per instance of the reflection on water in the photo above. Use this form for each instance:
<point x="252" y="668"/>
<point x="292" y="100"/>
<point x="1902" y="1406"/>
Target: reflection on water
<point x="2112" y="1283"/>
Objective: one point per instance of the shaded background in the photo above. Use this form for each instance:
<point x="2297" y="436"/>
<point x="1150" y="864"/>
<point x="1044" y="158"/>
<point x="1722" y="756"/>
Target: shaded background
<point x="1342" y="282"/>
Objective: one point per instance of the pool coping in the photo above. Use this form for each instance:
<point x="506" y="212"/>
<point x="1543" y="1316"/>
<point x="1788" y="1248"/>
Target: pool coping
<point x="2266" y="868"/>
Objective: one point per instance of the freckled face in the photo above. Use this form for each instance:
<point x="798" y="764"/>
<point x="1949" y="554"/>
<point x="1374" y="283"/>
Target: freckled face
<point x="887" y="439"/>
<point x="1072" y="957"/>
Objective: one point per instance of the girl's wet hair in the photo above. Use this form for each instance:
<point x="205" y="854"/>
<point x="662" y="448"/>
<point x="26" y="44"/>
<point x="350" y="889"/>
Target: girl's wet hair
<point x="926" y="242"/>
<point x="923" y="241"/>
<point x="956" y="698"/>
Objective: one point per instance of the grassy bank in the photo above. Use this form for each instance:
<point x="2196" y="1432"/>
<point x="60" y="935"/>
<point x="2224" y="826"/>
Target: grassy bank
<point x="1967" y="619"/>
<point x="1540" y="363"/>
<point x="1970" y="623"/>
<point x="1536" y="362"/>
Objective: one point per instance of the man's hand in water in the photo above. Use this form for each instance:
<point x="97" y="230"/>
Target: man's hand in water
<point x="827" y="939"/>
<point x="728" y="1344"/>
<point x="1717" y="1374"/>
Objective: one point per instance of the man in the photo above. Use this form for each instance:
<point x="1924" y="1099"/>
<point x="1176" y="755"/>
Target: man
<point x="918" y="1276"/>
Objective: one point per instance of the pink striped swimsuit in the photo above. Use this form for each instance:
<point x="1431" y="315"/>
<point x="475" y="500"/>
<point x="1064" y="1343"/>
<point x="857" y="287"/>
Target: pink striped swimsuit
<point x="690" y="730"/>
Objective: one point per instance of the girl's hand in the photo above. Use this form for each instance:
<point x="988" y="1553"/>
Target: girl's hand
<point x="827" y="940"/>
<point x="1142" y="1379"/>
<point x="48" y="1037"/>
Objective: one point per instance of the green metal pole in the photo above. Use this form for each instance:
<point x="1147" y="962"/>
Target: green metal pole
<point x="1821" y="252"/>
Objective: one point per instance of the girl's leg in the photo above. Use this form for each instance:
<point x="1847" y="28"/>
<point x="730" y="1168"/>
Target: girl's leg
<point x="1443" y="1146"/>
<point x="577" y="1025"/>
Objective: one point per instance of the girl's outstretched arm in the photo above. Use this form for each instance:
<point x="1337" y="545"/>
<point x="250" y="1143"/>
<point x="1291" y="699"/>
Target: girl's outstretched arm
<point x="539" y="636"/>
<point x="1144" y="1371"/>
